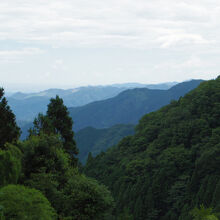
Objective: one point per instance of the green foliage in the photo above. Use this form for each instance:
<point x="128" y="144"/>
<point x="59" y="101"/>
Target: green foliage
<point x="125" y="215"/>
<point x="10" y="165"/>
<point x="19" y="202"/>
<point x="58" y="115"/>
<point x="9" y="131"/>
<point x="47" y="167"/>
<point x="172" y="162"/>
<point x="57" y="121"/>
<point x="44" y="154"/>
<point x="203" y="214"/>
<point x="86" y="199"/>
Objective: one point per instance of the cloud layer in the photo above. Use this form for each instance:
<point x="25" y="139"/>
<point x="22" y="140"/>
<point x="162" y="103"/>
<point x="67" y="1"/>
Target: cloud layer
<point x="187" y="27"/>
<point x="125" y="23"/>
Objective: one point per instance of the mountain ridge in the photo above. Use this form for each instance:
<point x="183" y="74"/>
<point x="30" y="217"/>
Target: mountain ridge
<point x="24" y="104"/>
<point x="127" y="107"/>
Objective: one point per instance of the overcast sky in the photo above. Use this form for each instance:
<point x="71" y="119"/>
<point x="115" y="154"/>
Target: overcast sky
<point x="67" y="43"/>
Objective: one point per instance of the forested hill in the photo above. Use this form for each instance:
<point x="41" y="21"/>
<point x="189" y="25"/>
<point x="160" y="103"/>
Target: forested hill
<point x="171" y="164"/>
<point x="97" y="140"/>
<point x="127" y="107"/>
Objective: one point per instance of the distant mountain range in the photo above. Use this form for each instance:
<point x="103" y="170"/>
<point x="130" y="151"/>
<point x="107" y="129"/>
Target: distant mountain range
<point x="149" y="86"/>
<point x="101" y="124"/>
<point x="27" y="105"/>
<point x="127" y="107"/>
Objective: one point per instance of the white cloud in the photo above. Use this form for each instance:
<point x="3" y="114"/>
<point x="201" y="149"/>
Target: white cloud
<point x="57" y="64"/>
<point x="16" y="56"/>
<point x="110" y="23"/>
<point x="101" y="41"/>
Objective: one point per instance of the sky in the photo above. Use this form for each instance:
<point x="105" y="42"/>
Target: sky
<point x="70" y="43"/>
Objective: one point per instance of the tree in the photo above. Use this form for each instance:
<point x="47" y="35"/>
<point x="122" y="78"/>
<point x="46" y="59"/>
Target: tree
<point x="86" y="199"/>
<point x="19" y="202"/>
<point x="47" y="167"/>
<point x="45" y="154"/>
<point x="9" y="131"/>
<point x="57" y="121"/>
<point x="58" y="114"/>
<point x="10" y="165"/>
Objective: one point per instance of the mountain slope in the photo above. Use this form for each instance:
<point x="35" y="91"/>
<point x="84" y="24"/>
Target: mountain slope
<point x="28" y="108"/>
<point x="127" y="107"/>
<point x="171" y="164"/>
<point x="97" y="140"/>
<point x="27" y="105"/>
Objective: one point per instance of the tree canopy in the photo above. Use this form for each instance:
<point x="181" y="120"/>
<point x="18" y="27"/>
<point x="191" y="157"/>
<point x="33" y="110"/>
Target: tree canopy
<point x="45" y="166"/>
<point x="19" y="203"/>
<point x="171" y="164"/>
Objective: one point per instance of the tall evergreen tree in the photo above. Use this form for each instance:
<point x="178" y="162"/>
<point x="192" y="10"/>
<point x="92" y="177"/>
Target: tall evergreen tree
<point x="58" y="114"/>
<point x="9" y="130"/>
<point x="57" y="121"/>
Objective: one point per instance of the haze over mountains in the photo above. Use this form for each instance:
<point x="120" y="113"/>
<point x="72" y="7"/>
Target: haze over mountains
<point x="163" y="168"/>
<point x="101" y="124"/>
<point x="27" y="105"/>
<point x="127" y="107"/>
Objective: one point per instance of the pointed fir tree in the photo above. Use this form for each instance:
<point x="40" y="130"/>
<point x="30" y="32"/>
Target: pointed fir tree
<point x="9" y="131"/>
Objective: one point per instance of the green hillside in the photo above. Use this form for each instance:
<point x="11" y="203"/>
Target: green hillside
<point x="97" y="140"/>
<point x="127" y="107"/>
<point x="171" y="164"/>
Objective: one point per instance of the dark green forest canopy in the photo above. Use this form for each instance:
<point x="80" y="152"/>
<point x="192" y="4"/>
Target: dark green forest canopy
<point x="97" y="140"/>
<point x="171" y="164"/>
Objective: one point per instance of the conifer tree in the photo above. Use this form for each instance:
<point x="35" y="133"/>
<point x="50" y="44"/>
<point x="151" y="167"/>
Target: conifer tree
<point x="57" y="122"/>
<point x="58" y="113"/>
<point x="9" y="130"/>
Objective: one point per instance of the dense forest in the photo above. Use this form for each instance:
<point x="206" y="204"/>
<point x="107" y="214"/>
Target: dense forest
<point x="171" y="164"/>
<point x="97" y="140"/>
<point x="167" y="170"/>
<point x="39" y="176"/>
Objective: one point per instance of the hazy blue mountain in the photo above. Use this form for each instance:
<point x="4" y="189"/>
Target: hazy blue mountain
<point x="97" y="140"/>
<point x="27" y="105"/>
<point x="24" y="126"/>
<point x="26" y="109"/>
<point x="149" y="86"/>
<point x="127" y="107"/>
